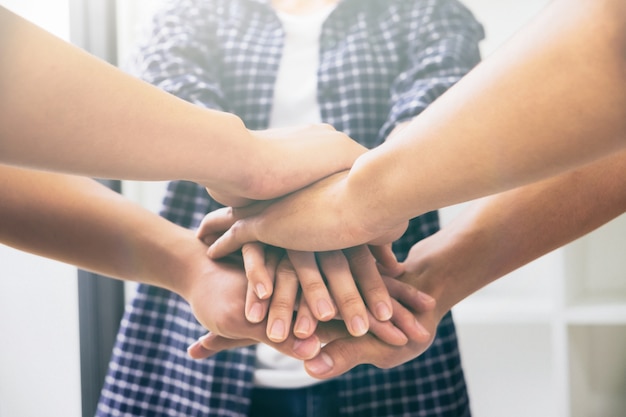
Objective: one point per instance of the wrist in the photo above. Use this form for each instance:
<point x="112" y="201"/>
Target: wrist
<point x="233" y="150"/>
<point x="368" y="192"/>
<point x="172" y="259"/>
<point x="442" y="266"/>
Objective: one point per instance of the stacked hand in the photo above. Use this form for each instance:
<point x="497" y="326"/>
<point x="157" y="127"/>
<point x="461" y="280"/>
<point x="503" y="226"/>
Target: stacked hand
<point x="216" y="294"/>
<point x="356" y="301"/>
<point x="280" y="161"/>
<point x="339" y="298"/>
<point x="320" y="217"/>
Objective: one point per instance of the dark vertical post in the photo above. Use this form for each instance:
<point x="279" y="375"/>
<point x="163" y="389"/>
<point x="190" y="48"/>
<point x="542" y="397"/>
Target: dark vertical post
<point x="100" y="299"/>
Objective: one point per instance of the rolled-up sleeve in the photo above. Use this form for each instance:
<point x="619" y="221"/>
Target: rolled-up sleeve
<point x="443" y="45"/>
<point x="179" y="53"/>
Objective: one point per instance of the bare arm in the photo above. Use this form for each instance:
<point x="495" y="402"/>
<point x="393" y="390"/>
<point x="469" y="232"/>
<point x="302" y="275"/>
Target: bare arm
<point x="62" y="109"/>
<point x="78" y="221"/>
<point x="551" y="99"/>
<point x="491" y="238"/>
<point x="513" y="228"/>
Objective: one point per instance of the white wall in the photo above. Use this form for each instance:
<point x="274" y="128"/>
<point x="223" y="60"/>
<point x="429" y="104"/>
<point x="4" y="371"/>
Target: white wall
<point x="39" y="341"/>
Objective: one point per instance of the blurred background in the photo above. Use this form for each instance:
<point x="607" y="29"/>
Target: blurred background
<point x="548" y="340"/>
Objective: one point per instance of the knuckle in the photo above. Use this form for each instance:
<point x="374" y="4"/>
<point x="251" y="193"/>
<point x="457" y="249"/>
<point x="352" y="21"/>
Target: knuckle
<point x="282" y="306"/>
<point x="255" y="275"/>
<point x="376" y="293"/>
<point x="333" y="259"/>
<point x="360" y="256"/>
<point x="314" y="286"/>
<point x="350" y="300"/>
<point x="286" y="271"/>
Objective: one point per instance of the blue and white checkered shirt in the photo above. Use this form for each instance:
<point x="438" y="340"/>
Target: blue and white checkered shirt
<point x="381" y="62"/>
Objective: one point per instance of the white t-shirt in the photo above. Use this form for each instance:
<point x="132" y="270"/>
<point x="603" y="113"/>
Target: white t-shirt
<point x="295" y="103"/>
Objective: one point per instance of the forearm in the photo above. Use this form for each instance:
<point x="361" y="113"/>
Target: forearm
<point x="551" y="99"/>
<point x="78" y="221"/>
<point x="499" y="234"/>
<point x="63" y="109"/>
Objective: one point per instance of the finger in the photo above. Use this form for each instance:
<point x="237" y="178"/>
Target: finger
<point x="409" y="296"/>
<point x="369" y="281"/>
<point x="232" y="240"/>
<point x="331" y="330"/>
<point x="210" y="344"/>
<point x="402" y="328"/>
<point x="344" y="291"/>
<point x="306" y="323"/>
<point x="256" y="271"/>
<point x="386" y="260"/>
<point x="408" y="324"/>
<point x="388" y="332"/>
<point x="344" y="354"/>
<point x="291" y="346"/>
<point x="283" y="301"/>
<point x="215" y="223"/>
<point x="312" y="284"/>
<point x="256" y="309"/>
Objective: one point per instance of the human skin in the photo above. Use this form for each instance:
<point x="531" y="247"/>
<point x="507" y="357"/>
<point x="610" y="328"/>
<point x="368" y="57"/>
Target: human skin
<point x="352" y="282"/>
<point x="492" y="237"/>
<point x="79" y="221"/>
<point x="62" y="109"/>
<point x="553" y="98"/>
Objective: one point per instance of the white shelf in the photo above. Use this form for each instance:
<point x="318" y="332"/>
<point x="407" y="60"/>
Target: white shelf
<point x="598" y="370"/>
<point x="596" y="313"/>
<point x="505" y="309"/>
<point x="507" y="367"/>
<point x="550" y="339"/>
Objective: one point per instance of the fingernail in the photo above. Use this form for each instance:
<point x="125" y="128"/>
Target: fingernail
<point x="321" y="364"/>
<point x="255" y="315"/>
<point x="383" y="312"/>
<point x="325" y="310"/>
<point x="359" y="328"/>
<point x="277" y="331"/>
<point x="421" y="329"/>
<point x="302" y="327"/>
<point x="425" y="297"/>
<point x="401" y="336"/>
<point x="192" y="346"/>
<point x="261" y="292"/>
<point x="306" y="348"/>
<point x="197" y="351"/>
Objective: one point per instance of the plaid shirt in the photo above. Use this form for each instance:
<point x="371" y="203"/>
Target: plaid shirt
<point x="381" y="62"/>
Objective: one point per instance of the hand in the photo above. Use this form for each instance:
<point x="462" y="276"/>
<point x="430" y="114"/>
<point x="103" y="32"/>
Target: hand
<point x="324" y="282"/>
<point x="288" y="159"/>
<point x="343" y="351"/>
<point x="430" y="265"/>
<point x="217" y="295"/>
<point x="409" y="306"/>
<point x="314" y="219"/>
